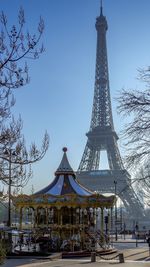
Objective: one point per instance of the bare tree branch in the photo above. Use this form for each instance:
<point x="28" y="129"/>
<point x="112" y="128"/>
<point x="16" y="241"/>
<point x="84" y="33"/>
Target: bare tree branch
<point x="135" y="104"/>
<point x="14" y="156"/>
<point x="16" y="46"/>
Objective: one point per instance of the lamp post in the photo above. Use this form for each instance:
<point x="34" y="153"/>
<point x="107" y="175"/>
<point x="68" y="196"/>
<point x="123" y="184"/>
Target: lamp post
<point x="116" y="236"/>
<point x="124" y="230"/>
<point x="136" y="233"/>
<point x="106" y="223"/>
<point x="9" y="153"/>
<point x="121" y="219"/>
<point x="9" y="195"/>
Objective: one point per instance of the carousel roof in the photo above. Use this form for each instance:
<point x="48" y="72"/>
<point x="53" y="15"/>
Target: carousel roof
<point x="64" y="190"/>
<point x="65" y="181"/>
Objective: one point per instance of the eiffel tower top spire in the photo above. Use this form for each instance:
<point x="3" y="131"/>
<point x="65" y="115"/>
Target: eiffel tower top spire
<point x="101" y="8"/>
<point x="101" y="113"/>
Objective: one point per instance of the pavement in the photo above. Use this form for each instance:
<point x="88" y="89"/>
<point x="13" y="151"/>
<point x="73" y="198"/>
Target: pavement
<point x="72" y="263"/>
<point x="137" y="257"/>
<point x="133" y="257"/>
<point x="137" y="254"/>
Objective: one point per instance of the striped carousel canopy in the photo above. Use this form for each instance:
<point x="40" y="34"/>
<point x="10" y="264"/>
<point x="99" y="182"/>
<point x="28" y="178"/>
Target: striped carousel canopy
<point x="65" y="181"/>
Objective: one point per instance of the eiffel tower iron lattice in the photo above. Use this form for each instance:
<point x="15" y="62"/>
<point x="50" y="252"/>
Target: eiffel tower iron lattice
<point x="102" y="136"/>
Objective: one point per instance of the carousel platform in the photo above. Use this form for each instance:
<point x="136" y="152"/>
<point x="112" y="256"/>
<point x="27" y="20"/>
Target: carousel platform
<point x="85" y="253"/>
<point x="34" y="251"/>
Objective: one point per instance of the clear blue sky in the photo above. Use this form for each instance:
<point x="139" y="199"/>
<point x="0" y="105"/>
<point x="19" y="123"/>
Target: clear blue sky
<point x="60" y="95"/>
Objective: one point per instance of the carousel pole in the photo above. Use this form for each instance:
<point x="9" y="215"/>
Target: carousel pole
<point x="61" y="216"/>
<point x="83" y="232"/>
<point x="59" y="227"/>
<point x="111" y="223"/>
<point x="46" y="213"/>
<point x="20" y="223"/>
<point x="35" y="217"/>
<point x="102" y="223"/>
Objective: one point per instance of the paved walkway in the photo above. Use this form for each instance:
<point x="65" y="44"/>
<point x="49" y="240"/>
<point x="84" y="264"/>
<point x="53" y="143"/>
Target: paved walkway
<point x="137" y="257"/>
<point x="72" y="263"/>
<point x="137" y="254"/>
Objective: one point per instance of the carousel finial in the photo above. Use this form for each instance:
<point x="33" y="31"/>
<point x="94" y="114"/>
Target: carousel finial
<point x="64" y="166"/>
<point x="64" y="149"/>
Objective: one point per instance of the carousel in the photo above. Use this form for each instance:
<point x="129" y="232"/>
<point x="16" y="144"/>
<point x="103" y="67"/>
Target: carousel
<point x="65" y="216"/>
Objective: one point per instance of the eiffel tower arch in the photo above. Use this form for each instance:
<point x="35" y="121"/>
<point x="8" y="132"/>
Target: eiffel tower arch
<point x="102" y="136"/>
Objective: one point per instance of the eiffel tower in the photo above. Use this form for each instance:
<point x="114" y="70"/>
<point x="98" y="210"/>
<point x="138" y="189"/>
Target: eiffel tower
<point x="102" y="136"/>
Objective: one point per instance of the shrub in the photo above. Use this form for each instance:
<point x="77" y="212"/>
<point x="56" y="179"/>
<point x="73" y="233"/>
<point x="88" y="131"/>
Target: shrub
<point x="2" y="253"/>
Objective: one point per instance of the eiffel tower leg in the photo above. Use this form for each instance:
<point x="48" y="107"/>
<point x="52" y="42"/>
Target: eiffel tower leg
<point x="132" y="203"/>
<point x="90" y="159"/>
<point x="114" y="158"/>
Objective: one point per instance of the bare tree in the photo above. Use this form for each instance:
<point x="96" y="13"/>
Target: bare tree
<point x="15" y="159"/>
<point x="16" y="47"/>
<point x="143" y="183"/>
<point x="135" y="104"/>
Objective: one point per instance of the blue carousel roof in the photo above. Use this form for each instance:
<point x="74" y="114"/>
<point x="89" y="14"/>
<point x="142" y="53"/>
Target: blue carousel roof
<point x="65" y="181"/>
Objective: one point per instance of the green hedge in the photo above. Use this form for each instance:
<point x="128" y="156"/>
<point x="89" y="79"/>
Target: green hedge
<point x="2" y="253"/>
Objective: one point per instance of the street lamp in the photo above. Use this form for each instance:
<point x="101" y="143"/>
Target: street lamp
<point x="124" y="230"/>
<point x="136" y="233"/>
<point x="9" y="153"/>
<point x="106" y="223"/>
<point x="116" y="236"/>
